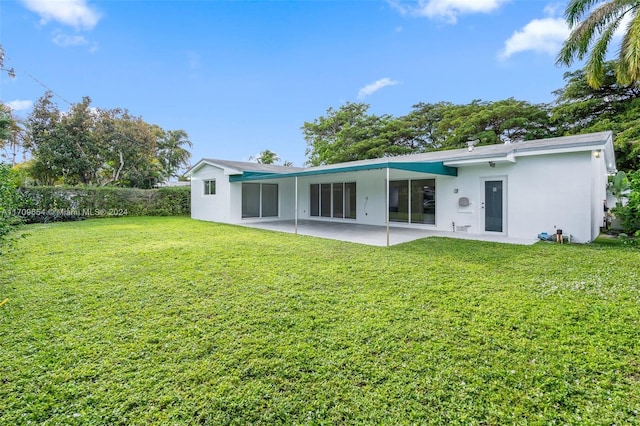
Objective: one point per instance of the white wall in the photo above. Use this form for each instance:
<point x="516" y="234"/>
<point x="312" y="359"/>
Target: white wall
<point x="286" y="201"/>
<point x="543" y="193"/>
<point x="370" y="195"/>
<point x="599" y="193"/>
<point x="549" y="193"/>
<point x="213" y="208"/>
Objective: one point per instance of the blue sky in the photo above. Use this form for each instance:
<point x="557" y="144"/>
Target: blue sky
<point x="243" y="76"/>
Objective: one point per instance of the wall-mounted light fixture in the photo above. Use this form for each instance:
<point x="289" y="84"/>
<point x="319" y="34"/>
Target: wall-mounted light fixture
<point x="492" y="164"/>
<point x="596" y="153"/>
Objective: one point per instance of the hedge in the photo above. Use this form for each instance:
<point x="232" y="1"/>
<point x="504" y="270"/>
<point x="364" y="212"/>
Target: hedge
<point x="9" y="199"/>
<point x="49" y="204"/>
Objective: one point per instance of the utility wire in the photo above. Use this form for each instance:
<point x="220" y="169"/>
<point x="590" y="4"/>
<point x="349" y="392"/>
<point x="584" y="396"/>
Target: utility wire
<point x="3" y="57"/>
<point x="47" y="87"/>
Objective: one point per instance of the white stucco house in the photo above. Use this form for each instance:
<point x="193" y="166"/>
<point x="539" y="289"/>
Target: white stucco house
<point x="514" y="190"/>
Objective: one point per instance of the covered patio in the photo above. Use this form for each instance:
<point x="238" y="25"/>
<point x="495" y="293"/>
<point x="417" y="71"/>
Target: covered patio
<point x="370" y="234"/>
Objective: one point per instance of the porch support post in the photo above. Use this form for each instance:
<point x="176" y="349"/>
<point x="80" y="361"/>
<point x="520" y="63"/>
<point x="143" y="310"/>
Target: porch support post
<point x="387" y="205"/>
<point x="296" y="208"/>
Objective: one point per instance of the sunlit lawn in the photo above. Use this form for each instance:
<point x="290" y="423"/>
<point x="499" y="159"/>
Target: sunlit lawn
<point x="175" y="321"/>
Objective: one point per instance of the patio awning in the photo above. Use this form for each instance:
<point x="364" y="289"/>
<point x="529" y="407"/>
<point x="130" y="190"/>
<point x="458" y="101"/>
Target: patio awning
<point x="436" y="168"/>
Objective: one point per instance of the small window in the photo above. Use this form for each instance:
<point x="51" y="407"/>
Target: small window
<point x="210" y="187"/>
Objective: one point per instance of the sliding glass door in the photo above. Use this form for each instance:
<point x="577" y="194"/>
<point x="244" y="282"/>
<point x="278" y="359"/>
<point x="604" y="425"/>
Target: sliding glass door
<point x="335" y="200"/>
<point x="259" y="200"/>
<point x="413" y="201"/>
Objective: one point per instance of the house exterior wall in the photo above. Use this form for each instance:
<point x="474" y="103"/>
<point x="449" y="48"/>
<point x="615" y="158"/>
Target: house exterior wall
<point x="286" y="201"/>
<point x="370" y="195"/>
<point x="599" y="194"/>
<point x="552" y="192"/>
<point x="544" y="192"/>
<point x="215" y="208"/>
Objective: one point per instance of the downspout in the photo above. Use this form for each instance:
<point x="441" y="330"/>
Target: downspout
<point x="387" y="207"/>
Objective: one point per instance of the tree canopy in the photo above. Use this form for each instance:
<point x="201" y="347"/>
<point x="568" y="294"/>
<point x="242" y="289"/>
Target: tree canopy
<point x="351" y="133"/>
<point x="581" y="108"/>
<point x="93" y="146"/>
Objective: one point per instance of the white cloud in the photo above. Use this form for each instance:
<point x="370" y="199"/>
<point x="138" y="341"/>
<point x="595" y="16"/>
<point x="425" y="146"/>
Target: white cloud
<point x="65" y="40"/>
<point x="19" y="105"/>
<point x="369" y="89"/>
<point x="544" y="35"/>
<point x="448" y="10"/>
<point x="75" y="13"/>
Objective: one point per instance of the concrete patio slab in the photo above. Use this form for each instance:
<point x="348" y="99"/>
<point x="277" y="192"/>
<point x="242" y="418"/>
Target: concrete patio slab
<point x="372" y="235"/>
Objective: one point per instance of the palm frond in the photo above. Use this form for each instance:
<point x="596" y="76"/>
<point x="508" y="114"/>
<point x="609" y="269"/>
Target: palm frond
<point x="576" y="9"/>
<point x="629" y="55"/>
<point x="604" y="18"/>
<point x="595" y="68"/>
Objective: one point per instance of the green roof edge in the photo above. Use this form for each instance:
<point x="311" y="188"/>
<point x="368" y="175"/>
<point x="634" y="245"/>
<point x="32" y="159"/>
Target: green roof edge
<point x="433" y="167"/>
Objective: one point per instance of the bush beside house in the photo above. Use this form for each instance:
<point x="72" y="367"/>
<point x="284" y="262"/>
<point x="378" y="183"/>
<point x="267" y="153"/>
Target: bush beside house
<point x="629" y="212"/>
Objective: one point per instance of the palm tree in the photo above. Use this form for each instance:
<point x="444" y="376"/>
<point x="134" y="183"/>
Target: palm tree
<point x="267" y="157"/>
<point x="172" y="152"/>
<point x="592" y="35"/>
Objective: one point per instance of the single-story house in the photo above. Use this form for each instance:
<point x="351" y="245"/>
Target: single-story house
<point x="514" y="190"/>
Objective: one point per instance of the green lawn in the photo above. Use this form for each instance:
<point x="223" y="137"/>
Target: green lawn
<point x="174" y="321"/>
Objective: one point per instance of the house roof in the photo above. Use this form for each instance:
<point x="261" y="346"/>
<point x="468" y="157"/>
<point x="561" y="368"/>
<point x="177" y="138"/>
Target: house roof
<point x="240" y="167"/>
<point x="434" y="162"/>
<point x="504" y="152"/>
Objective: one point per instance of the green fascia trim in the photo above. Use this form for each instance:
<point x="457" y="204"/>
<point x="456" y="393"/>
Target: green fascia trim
<point x="436" y="168"/>
<point x="247" y="174"/>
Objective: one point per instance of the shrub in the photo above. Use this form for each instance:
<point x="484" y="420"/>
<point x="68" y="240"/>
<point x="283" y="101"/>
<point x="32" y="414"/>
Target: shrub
<point x="9" y="201"/>
<point x="629" y="213"/>
<point x="51" y="204"/>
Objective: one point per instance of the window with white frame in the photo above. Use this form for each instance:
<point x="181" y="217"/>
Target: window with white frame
<point x="210" y="187"/>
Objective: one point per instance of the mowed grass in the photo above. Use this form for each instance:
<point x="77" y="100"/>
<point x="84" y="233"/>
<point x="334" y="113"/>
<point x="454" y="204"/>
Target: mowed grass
<point x="175" y="321"/>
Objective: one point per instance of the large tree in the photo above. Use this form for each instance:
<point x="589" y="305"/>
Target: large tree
<point x="129" y="150"/>
<point x="44" y="133"/>
<point x="94" y="146"/>
<point x="592" y="30"/>
<point x="581" y="108"/>
<point x="506" y="121"/>
<point x="579" y="105"/>
<point x="65" y="145"/>
<point x="349" y="133"/>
